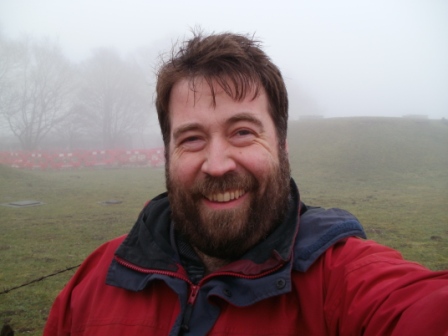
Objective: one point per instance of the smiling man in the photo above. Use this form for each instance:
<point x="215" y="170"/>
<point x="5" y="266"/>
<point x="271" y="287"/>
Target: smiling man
<point x="231" y="249"/>
<point x="228" y="178"/>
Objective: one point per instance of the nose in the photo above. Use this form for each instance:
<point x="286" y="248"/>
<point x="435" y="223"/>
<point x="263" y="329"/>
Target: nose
<point x="218" y="159"/>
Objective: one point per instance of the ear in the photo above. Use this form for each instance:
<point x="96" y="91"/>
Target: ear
<point x="286" y="147"/>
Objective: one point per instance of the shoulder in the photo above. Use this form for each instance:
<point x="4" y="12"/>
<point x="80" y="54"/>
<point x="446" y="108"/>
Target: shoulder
<point x="106" y="250"/>
<point x="77" y="294"/>
<point x="98" y="261"/>
<point x="320" y="229"/>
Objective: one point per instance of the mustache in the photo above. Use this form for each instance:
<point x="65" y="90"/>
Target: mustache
<point x="230" y="181"/>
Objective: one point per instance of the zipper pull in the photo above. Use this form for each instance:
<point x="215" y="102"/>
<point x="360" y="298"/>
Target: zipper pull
<point x="185" y="327"/>
<point x="194" y="289"/>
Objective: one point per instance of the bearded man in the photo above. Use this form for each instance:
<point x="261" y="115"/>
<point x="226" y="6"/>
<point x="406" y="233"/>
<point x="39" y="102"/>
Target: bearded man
<point x="230" y="249"/>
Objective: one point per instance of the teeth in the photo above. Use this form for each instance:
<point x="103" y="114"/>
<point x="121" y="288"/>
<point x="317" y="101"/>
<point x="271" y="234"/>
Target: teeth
<point x="226" y="196"/>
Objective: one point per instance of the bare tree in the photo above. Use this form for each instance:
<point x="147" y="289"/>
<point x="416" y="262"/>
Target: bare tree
<point x="36" y="84"/>
<point x="72" y="133"/>
<point x="10" y="55"/>
<point x="114" y="98"/>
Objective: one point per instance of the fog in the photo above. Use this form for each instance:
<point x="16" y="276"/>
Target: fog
<point x="339" y="58"/>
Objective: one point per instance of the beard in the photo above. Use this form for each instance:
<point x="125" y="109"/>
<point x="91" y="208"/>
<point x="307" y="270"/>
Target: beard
<point x="228" y="234"/>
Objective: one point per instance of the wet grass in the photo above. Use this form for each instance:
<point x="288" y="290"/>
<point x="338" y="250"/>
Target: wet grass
<point x="392" y="174"/>
<point x="40" y="240"/>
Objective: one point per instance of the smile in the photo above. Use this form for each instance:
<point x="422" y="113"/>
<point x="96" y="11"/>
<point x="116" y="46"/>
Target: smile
<point x="226" y="196"/>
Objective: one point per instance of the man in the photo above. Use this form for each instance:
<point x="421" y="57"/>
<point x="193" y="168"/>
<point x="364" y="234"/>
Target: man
<point x="230" y="249"/>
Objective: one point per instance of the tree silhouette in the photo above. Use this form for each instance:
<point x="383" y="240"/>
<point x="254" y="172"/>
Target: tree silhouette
<point x="36" y="83"/>
<point x="113" y="99"/>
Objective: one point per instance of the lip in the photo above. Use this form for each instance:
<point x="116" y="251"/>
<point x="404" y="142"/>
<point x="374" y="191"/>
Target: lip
<point x="227" y="196"/>
<point x="226" y="200"/>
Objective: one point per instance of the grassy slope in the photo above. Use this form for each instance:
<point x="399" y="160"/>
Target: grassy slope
<point x="391" y="173"/>
<point x="41" y="240"/>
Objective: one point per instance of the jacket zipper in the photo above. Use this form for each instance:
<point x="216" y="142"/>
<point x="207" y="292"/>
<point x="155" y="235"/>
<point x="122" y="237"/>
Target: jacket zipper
<point x="185" y="325"/>
<point x="194" y="289"/>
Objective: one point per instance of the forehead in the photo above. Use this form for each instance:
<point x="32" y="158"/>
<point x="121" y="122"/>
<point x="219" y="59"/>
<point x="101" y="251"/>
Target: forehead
<point x="201" y="106"/>
<point x="237" y="88"/>
<point x="198" y="94"/>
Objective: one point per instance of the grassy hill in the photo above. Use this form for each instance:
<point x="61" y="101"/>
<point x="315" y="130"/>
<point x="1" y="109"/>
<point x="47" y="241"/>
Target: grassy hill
<point x="392" y="173"/>
<point x="368" y="147"/>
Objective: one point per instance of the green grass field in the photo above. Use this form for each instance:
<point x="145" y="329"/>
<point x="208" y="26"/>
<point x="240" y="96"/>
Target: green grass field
<point x="391" y="173"/>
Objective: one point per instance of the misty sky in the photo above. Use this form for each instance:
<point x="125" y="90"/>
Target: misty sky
<point x="339" y="57"/>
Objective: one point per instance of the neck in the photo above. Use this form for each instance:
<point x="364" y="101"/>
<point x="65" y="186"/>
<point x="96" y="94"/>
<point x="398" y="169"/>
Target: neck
<point x="211" y="264"/>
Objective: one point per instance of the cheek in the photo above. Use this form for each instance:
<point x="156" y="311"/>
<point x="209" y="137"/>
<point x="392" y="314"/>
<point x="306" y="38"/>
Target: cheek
<point x="260" y="164"/>
<point x="183" y="170"/>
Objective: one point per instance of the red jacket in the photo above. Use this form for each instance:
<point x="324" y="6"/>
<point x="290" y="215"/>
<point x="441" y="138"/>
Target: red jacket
<point x="320" y="281"/>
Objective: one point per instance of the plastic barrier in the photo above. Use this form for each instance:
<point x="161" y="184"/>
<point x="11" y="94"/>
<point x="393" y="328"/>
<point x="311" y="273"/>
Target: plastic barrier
<point x="42" y="160"/>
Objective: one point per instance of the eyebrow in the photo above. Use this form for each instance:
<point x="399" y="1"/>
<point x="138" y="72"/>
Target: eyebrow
<point x="245" y="117"/>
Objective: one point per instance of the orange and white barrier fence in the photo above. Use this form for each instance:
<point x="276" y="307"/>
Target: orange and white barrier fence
<point x="51" y="160"/>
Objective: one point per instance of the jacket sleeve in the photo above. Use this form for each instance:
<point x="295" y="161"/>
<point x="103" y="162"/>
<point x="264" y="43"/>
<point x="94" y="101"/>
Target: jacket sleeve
<point x="372" y="290"/>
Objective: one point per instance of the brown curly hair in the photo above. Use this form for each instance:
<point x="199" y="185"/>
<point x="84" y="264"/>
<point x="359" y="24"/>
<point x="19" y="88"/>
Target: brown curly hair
<point x="236" y="63"/>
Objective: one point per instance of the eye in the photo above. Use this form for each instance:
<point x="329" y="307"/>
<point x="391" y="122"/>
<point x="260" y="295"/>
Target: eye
<point x="192" y="143"/>
<point x="243" y="132"/>
<point x="243" y="137"/>
<point x="190" y="139"/>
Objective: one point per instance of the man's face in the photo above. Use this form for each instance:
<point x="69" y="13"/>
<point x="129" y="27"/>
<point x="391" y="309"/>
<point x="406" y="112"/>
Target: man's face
<point x="227" y="178"/>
